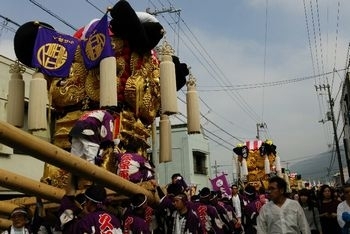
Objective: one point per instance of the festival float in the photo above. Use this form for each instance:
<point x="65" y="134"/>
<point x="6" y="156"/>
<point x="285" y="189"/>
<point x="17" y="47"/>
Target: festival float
<point x="105" y="63"/>
<point x="256" y="161"/>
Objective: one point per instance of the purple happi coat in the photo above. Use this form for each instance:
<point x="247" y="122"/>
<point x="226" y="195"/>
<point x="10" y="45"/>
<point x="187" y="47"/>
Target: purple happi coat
<point x="99" y="222"/>
<point x="134" y="167"/>
<point x="208" y="217"/>
<point x="135" y="225"/>
<point x="187" y="223"/>
<point x="96" y="126"/>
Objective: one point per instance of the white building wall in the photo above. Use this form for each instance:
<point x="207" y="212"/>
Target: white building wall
<point x="182" y="162"/>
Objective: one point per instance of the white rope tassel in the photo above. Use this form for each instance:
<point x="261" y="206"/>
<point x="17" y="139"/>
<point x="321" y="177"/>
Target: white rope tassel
<point x="286" y="178"/>
<point x="267" y="165"/>
<point x="244" y="171"/>
<point x="278" y="164"/>
<point x="165" y="139"/>
<point x="15" y="96"/>
<point x="168" y="96"/>
<point x="108" y="82"/>
<point x="193" y="120"/>
<point x="38" y="99"/>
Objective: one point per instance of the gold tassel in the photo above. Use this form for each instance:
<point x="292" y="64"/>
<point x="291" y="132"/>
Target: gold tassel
<point x="15" y="96"/>
<point x="267" y="165"/>
<point x="244" y="168"/>
<point x="193" y="120"/>
<point x="108" y="82"/>
<point x="38" y="99"/>
<point x="165" y="139"/>
<point x="168" y="95"/>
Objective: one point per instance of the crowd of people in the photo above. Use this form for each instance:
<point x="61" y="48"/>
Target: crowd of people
<point x="248" y="210"/>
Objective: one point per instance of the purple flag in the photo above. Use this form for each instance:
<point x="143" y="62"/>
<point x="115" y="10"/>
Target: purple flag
<point x="220" y="183"/>
<point x="97" y="44"/>
<point x="54" y="52"/>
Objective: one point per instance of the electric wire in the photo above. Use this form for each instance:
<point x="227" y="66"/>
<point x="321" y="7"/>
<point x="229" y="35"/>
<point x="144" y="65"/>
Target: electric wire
<point x="336" y="38"/>
<point x="214" y="140"/>
<point x="265" y="54"/>
<point x="268" y="84"/>
<point x="53" y="14"/>
<point x="237" y="97"/>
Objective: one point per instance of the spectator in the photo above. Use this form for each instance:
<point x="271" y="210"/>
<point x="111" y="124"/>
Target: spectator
<point x="311" y="212"/>
<point x="281" y="214"/>
<point x="236" y="202"/>
<point x="328" y="210"/>
<point x="20" y="220"/>
<point x="343" y="210"/>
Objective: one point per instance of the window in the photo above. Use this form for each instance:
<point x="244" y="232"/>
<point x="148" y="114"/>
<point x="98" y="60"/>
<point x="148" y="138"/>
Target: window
<point x="199" y="163"/>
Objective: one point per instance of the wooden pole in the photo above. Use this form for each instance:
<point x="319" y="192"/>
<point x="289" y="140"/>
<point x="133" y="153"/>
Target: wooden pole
<point x="44" y="151"/>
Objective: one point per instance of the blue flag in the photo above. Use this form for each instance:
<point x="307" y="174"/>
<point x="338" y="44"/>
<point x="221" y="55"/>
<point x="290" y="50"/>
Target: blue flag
<point x="97" y="44"/>
<point x="53" y="52"/>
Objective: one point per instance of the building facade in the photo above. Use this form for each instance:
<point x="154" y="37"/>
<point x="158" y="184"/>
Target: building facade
<point x="190" y="158"/>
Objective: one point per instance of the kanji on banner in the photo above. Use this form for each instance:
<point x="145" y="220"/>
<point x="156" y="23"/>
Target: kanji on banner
<point x="97" y="44"/>
<point x="53" y="52"/>
<point x="220" y="183"/>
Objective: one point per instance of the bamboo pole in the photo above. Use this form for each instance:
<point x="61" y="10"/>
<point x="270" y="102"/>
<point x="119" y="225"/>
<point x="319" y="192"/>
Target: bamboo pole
<point x="5" y="223"/>
<point x="29" y="186"/>
<point x="7" y="207"/>
<point x="44" y="151"/>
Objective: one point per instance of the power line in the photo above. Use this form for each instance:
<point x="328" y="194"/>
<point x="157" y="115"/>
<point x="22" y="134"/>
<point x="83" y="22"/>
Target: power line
<point x="220" y="128"/>
<point x="268" y="84"/>
<point x="210" y="64"/>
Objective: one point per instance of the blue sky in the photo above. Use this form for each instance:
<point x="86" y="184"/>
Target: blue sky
<point x="224" y="43"/>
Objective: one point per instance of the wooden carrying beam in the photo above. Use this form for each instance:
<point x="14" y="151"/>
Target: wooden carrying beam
<point x="44" y="151"/>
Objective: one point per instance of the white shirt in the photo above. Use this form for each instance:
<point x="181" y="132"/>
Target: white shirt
<point x="287" y="219"/>
<point x="236" y="203"/>
<point x="342" y="207"/>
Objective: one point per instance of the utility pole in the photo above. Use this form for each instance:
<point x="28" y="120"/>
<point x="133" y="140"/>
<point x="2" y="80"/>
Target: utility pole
<point x="331" y="103"/>
<point x="259" y="126"/>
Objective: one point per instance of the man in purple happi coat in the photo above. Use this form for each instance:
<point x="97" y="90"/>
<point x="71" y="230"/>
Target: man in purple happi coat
<point x="97" y="220"/>
<point x="135" y="217"/>
<point x="208" y="216"/>
<point x="134" y="167"/>
<point x="183" y="220"/>
<point x="92" y="132"/>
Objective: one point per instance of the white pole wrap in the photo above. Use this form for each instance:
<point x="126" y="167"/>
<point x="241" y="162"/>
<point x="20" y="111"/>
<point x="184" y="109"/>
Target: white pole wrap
<point x="168" y="96"/>
<point x="165" y="146"/>
<point x="38" y="99"/>
<point x="15" y="96"/>
<point x="108" y="82"/>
